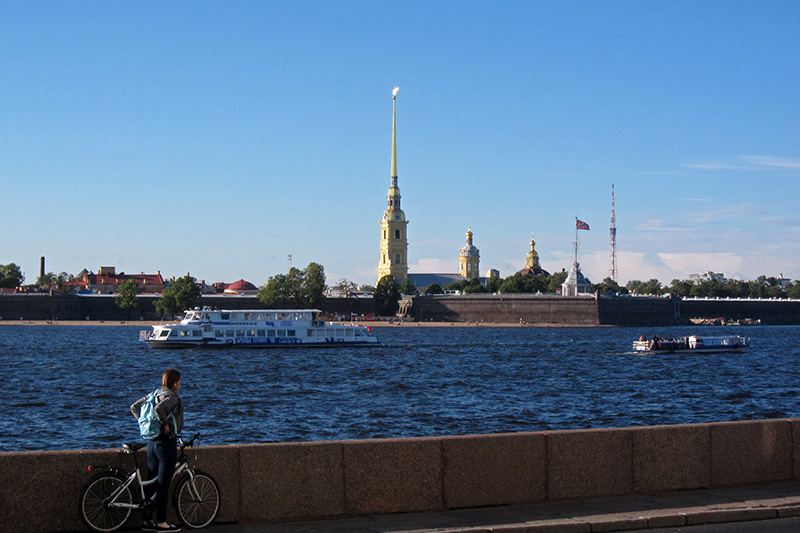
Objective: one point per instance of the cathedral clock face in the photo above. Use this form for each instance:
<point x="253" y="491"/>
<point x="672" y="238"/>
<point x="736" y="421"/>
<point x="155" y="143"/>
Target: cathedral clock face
<point x="397" y="217"/>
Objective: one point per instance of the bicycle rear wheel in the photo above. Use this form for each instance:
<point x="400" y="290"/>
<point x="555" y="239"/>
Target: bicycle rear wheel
<point x="98" y="512"/>
<point x="197" y="500"/>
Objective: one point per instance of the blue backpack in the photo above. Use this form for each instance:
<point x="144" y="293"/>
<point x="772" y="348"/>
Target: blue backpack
<point x="149" y="425"/>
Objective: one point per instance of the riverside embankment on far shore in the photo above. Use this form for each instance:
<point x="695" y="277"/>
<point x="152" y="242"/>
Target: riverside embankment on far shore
<point x="483" y="309"/>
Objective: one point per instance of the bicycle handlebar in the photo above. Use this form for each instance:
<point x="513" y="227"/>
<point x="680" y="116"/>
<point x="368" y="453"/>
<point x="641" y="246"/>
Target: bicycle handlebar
<point x="190" y="443"/>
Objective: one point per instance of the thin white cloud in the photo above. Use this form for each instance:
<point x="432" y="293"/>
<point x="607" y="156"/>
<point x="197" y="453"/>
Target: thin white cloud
<point x="749" y="162"/>
<point x="433" y="265"/>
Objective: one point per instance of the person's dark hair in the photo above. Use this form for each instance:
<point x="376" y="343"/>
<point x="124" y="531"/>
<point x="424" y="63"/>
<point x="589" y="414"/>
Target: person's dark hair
<point x="170" y="378"/>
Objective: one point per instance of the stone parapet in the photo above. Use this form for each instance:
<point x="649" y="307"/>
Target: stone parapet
<point x="297" y="481"/>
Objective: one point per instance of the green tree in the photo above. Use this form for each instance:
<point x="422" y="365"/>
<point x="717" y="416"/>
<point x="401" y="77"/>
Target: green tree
<point x="606" y="286"/>
<point x="126" y="298"/>
<point x="367" y="288"/>
<point x="407" y="288"/>
<point x="10" y="276"/>
<point x="555" y="281"/>
<point x="345" y="287"/>
<point x="275" y="291"/>
<point x="793" y="290"/>
<point x="386" y="296"/>
<point x="474" y="286"/>
<point x="524" y="283"/>
<point x="179" y="296"/>
<point x="493" y="284"/>
<point x="297" y="287"/>
<point x="682" y="288"/>
<point x="434" y="288"/>
<point x="46" y="281"/>
<point x="313" y="284"/>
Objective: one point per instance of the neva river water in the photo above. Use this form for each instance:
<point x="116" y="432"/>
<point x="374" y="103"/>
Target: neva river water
<point x="69" y="387"/>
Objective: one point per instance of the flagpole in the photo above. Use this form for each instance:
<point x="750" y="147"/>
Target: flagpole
<point x="576" y="240"/>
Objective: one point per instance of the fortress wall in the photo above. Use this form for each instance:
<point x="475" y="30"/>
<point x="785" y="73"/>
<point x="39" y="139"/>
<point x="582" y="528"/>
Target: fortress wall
<point x="638" y="311"/>
<point x="774" y="312"/>
<point x="43" y="306"/>
<point x="533" y="309"/>
<point x="487" y="308"/>
<point x="295" y="481"/>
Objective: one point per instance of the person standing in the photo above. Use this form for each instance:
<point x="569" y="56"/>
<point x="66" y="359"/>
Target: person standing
<point x="162" y="452"/>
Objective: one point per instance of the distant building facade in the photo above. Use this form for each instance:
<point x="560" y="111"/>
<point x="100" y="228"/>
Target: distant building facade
<point x="708" y="276"/>
<point x="107" y="281"/>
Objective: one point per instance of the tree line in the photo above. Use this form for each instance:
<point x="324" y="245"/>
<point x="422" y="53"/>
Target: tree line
<point x="306" y="288"/>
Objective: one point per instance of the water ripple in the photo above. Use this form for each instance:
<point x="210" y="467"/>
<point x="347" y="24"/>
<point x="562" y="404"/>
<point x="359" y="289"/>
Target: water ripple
<point x="421" y="382"/>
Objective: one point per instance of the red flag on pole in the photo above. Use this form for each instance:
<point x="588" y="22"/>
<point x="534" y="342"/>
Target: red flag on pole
<point x="580" y="224"/>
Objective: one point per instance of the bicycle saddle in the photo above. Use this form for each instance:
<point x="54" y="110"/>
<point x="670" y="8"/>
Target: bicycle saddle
<point x="133" y="446"/>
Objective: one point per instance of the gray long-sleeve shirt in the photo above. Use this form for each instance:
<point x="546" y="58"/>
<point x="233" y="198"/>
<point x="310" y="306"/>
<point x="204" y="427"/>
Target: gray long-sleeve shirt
<point x="168" y="403"/>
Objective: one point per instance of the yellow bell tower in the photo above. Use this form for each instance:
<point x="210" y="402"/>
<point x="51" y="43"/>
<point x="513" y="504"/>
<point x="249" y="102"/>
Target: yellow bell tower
<point x="469" y="259"/>
<point x="394" y="242"/>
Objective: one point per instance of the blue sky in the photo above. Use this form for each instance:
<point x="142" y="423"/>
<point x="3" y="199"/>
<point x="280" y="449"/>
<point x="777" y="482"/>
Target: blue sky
<point x="218" y="138"/>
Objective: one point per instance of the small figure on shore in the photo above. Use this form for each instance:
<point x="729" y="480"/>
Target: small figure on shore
<point x="162" y="451"/>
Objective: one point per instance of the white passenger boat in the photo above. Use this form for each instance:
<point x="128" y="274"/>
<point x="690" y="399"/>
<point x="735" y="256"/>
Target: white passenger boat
<point x="692" y="344"/>
<point x="256" y="328"/>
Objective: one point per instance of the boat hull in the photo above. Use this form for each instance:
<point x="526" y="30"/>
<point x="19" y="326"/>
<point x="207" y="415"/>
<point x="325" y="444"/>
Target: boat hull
<point x="156" y="344"/>
<point x="692" y="344"/>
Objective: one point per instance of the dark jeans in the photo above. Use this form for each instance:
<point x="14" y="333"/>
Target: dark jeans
<point x="161" y="457"/>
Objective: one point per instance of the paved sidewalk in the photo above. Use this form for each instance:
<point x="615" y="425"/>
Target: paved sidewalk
<point x="669" y="509"/>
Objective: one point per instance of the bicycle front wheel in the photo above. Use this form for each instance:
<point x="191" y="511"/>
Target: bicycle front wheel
<point x="197" y="500"/>
<point x="98" y="499"/>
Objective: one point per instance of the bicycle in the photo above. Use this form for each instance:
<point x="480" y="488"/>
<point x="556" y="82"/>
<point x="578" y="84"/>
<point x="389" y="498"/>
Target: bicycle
<point x="108" y="498"/>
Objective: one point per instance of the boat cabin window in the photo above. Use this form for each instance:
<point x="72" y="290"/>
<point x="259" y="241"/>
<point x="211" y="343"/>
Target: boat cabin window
<point x="248" y="316"/>
<point x="349" y="332"/>
<point x="218" y="333"/>
<point x="291" y="333"/>
<point x="260" y="333"/>
<point x="163" y="333"/>
<point x="309" y="333"/>
<point x="229" y="333"/>
<point x="240" y="333"/>
<point x="184" y="333"/>
<point x="281" y="333"/>
<point x="197" y="333"/>
<point x="225" y="316"/>
<point x="320" y="333"/>
<point x="251" y="333"/>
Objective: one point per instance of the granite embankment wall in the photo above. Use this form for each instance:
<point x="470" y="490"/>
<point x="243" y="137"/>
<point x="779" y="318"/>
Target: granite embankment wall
<point x="286" y="482"/>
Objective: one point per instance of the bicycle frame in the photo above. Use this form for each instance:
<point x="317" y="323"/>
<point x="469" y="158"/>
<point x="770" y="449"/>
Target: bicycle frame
<point x="136" y="477"/>
<point x="181" y="466"/>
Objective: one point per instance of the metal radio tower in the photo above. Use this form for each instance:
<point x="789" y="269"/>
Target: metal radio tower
<point x="613" y="238"/>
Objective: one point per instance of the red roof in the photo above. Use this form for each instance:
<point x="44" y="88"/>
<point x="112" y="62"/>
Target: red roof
<point x="241" y="285"/>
